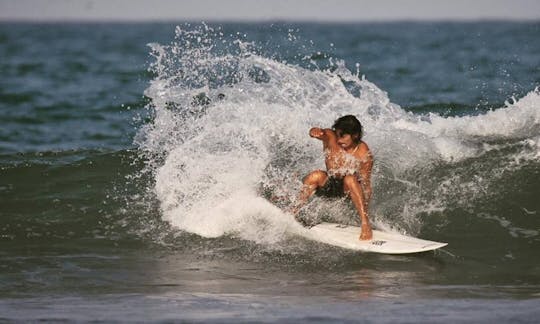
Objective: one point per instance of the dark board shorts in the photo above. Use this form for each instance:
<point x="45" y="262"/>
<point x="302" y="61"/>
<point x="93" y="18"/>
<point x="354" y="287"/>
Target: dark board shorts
<point x="332" y="188"/>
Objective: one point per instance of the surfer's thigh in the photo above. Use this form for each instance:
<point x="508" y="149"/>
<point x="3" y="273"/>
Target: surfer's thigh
<point x="316" y="178"/>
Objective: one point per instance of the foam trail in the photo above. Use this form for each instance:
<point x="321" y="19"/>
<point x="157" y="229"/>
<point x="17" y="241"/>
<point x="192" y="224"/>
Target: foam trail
<point x="229" y="122"/>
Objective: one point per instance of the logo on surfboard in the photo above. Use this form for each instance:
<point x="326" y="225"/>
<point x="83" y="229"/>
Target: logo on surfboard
<point x="378" y="243"/>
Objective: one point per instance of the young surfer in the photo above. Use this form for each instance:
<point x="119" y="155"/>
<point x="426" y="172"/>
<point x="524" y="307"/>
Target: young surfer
<point x="348" y="169"/>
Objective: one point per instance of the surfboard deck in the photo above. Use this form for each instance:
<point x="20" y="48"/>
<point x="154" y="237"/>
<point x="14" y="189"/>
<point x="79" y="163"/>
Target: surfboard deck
<point x="345" y="236"/>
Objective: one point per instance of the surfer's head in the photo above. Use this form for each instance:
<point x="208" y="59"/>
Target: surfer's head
<point x="348" y="125"/>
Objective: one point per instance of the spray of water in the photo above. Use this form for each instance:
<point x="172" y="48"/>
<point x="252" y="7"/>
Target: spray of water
<point x="229" y="130"/>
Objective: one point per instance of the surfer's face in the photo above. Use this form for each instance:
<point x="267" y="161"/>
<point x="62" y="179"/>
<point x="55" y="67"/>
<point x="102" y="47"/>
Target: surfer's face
<point x="346" y="141"/>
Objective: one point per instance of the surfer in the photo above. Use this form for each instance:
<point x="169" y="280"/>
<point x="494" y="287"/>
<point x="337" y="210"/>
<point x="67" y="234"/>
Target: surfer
<point x="348" y="169"/>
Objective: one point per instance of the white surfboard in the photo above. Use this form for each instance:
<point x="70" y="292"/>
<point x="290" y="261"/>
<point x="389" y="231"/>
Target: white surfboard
<point x="389" y="243"/>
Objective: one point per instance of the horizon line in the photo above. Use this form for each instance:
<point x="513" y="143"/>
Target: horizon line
<point x="265" y="20"/>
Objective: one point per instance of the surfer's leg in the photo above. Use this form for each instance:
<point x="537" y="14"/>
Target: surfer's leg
<point x="353" y="188"/>
<point x="312" y="181"/>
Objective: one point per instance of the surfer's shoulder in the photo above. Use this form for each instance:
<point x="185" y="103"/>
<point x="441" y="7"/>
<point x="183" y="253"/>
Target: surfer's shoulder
<point x="363" y="152"/>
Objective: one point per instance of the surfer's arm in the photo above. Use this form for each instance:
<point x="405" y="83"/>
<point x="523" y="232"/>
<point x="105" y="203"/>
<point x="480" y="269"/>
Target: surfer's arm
<point x="317" y="133"/>
<point x="324" y="135"/>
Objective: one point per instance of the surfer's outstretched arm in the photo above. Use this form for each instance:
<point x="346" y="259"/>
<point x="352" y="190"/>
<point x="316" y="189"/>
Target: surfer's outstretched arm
<point x="318" y="133"/>
<point x="326" y="135"/>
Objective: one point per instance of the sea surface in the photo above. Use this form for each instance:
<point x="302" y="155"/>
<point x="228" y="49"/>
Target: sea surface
<point x="137" y="162"/>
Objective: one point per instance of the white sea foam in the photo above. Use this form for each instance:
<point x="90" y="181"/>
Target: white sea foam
<point x="211" y="158"/>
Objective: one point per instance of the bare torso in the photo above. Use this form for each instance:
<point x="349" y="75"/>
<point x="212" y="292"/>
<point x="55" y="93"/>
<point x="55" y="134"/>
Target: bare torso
<point x="341" y="162"/>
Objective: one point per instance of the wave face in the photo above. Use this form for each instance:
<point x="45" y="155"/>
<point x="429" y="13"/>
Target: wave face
<point x="230" y="128"/>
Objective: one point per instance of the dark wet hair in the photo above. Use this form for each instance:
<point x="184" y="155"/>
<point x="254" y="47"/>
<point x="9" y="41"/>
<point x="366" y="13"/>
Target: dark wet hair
<point x="349" y="124"/>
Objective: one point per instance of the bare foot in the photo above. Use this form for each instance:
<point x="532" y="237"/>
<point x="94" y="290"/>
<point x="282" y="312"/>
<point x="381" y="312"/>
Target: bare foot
<point x="366" y="233"/>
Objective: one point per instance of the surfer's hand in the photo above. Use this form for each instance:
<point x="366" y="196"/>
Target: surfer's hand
<point x="316" y="132"/>
<point x="366" y="233"/>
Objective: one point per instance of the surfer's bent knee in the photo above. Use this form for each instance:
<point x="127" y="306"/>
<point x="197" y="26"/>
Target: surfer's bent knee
<point x="317" y="177"/>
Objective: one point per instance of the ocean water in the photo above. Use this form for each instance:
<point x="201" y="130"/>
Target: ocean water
<point x="136" y="159"/>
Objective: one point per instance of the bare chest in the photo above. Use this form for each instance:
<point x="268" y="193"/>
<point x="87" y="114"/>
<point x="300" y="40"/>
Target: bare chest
<point x="340" y="163"/>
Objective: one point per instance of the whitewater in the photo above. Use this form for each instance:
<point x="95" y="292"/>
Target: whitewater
<point x="228" y="121"/>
